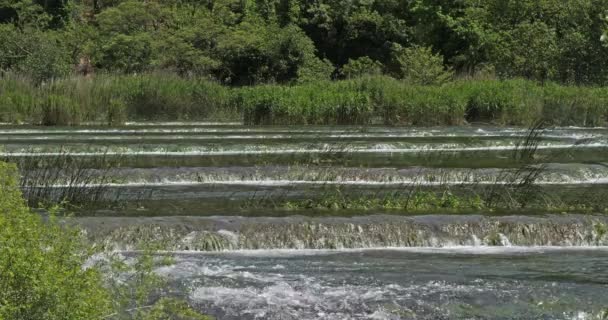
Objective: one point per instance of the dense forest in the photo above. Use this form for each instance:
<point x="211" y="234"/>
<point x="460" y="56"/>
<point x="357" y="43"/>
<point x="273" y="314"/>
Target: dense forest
<point x="248" y="42"/>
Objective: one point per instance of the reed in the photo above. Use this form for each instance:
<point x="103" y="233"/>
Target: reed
<point x="72" y="181"/>
<point x="389" y="101"/>
<point x="114" y="99"/>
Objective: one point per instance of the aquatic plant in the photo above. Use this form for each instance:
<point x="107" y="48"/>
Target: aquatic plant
<point x="112" y="99"/>
<point x="365" y="100"/>
<point x="59" y="110"/>
<point x="62" y="178"/>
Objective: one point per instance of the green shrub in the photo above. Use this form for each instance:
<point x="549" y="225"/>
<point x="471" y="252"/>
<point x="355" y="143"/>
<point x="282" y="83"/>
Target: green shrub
<point x="419" y="65"/>
<point x="363" y="66"/>
<point x="41" y="264"/>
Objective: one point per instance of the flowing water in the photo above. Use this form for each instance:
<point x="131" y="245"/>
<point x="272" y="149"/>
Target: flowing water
<point x="194" y="189"/>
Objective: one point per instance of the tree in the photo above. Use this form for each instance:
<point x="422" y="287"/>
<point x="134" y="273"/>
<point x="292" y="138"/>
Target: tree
<point x="604" y="37"/>
<point x="529" y="50"/>
<point x="126" y="33"/>
<point x="419" y="65"/>
<point x="39" y="55"/>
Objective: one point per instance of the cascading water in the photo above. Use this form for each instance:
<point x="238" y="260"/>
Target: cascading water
<point x="193" y="190"/>
<point x="434" y="231"/>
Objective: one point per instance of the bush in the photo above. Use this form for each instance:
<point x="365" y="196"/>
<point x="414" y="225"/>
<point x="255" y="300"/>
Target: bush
<point x="41" y="56"/>
<point x="363" y="66"/>
<point x="419" y="65"/>
<point x="41" y="271"/>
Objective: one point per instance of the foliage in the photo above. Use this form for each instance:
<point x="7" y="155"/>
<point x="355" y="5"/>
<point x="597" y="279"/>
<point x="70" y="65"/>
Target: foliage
<point x="529" y="50"/>
<point x="604" y="37"/>
<point x="46" y="273"/>
<point x="39" y="55"/>
<point x="420" y="66"/>
<point x="289" y="41"/>
<point x="364" y="100"/>
<point x="363" y="66"/>
<point x="41" y="272"/>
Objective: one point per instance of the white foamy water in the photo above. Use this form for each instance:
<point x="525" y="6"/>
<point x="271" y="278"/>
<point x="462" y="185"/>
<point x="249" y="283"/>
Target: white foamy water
<point x="447" y="283"/>
<point x="445" y="250"/>
<point x="348" y="150"/>
<point x="283" y="183"/>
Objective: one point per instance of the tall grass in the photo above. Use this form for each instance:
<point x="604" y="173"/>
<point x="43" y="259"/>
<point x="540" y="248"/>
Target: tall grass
<point x="389" y="101"/>
<point x="64" y="179"/>
<point x="114" y="99"/>
<point x="319" y="103"/>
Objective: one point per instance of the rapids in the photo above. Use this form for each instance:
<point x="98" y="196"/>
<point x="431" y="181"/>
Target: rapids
<point x="187" y="189"/>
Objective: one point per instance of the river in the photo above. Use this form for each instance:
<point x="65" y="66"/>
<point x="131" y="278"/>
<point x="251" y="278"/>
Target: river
<point x="220" y="198"/>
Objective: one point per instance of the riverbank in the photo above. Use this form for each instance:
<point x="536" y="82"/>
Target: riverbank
<point x="116" y="99"/>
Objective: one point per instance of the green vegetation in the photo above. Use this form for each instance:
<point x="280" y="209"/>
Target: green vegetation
<point x="411" y="202"/>
<point x="419" y="200"/>
<point x="65" y="62"/>
<point x="42" y="275"/>
<point x="111" y="99"/>
<point x="288" y="41"/>
<point x="44" y="272"/>
<point x="365" y="100"/>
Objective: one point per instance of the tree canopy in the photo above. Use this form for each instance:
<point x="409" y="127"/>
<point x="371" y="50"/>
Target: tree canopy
<point x="245" y="42"/>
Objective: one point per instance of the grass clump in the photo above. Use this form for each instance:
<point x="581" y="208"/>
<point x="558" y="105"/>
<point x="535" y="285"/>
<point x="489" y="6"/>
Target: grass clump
<point x="513" y="102"/>
<point x="575" y="106"/>
<point x="18" y="99"/>
<point x="117" y="112"/>
<point x="112" y="99"/>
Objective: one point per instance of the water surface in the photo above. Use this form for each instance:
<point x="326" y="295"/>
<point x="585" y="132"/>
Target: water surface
<point x="447" y="283"/>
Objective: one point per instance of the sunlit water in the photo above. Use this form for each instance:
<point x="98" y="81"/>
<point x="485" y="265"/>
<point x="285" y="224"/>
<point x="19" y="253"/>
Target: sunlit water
<point x="457" y="283"/>
<point x="446" y="267"/>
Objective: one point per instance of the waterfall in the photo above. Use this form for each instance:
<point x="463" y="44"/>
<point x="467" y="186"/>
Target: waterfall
<point x="239" y="233"/>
